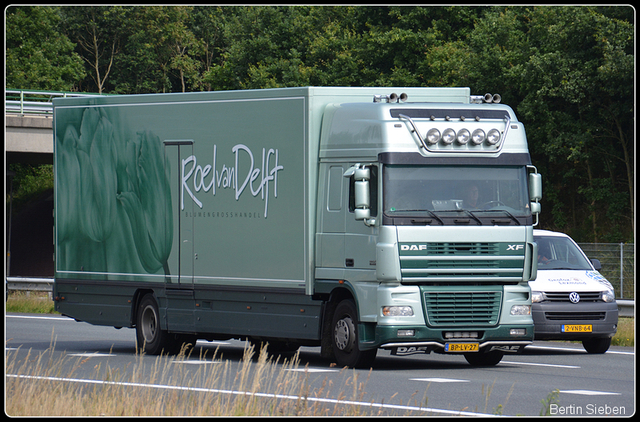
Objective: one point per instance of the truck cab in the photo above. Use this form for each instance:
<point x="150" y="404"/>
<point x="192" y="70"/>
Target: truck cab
<point x="425" y="209"/>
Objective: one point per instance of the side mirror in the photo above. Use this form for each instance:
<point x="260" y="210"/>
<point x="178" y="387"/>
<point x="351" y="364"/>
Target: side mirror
<point x="596" y="264"/>
<point x="535" y="194"/>
<point x="535" y="187"/>
<point x="362" y="192"/>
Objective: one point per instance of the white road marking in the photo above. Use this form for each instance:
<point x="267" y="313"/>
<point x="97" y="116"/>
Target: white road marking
<point x="570" y="349"/>
<point x="551" y="365"/>
<point x="91" y="355"/>
<point x="312" y="370"/>
<point x="590" y="393"/>
<point x="40" y="317"/>
<point x="437" y="380"/>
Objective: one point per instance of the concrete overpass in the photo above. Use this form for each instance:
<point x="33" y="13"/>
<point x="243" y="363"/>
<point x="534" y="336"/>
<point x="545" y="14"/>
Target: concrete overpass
<point x="28" y="125"/>
<point x="29" y="138"/>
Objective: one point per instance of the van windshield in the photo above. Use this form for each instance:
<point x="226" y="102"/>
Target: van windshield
<point x="560" y="253"/>
<point x="445" y="195"/>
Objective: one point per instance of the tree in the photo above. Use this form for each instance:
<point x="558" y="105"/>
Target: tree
<point x="98" y="33"/>
<point x="38" y="56"/>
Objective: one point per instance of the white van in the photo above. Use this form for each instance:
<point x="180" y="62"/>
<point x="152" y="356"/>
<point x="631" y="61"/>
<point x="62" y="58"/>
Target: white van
<point x="571" y="300"/>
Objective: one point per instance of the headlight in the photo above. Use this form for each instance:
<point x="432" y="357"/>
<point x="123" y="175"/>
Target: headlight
<point x="493" y="137"/>
<point x="478" y="136"/>
<point x="521" y="310"/>
<point x="397" y="311"/>
<point x="448" y="136"/>
<point x="537" y="297"/>
<point x="433" y="136"/>
<point x="463" y="136"/>
<point x="609" y="296"/>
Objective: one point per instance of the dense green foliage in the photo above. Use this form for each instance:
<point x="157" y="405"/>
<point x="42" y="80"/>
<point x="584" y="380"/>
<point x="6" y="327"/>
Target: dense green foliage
<point x="568" y="72"/>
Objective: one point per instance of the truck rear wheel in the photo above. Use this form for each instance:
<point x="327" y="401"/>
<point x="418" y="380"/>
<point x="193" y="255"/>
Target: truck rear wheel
<point x="151" y="338"/>
<point x="344" y="337"/>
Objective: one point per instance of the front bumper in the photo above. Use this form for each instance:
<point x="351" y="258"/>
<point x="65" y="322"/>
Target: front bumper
<point x="426" y="340"/>
<point x="550" y="317"/>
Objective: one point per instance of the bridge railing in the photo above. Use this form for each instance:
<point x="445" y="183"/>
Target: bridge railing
<point x="22" y="101"/>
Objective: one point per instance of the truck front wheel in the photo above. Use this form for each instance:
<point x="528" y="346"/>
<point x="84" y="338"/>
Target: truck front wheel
<point x="484" y="359"/>
<point x="344" y="337"/>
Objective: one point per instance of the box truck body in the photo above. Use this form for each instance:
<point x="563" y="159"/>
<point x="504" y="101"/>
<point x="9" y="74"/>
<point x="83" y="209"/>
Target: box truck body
<point x="299" y="216"/>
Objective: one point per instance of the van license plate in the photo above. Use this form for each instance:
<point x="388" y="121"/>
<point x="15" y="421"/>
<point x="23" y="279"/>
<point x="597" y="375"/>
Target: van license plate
<point x="577" y="328"/>
<point x="461" y="347"/>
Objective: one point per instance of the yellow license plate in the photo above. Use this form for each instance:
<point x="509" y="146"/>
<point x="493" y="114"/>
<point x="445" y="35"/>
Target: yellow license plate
<point x="577" y="328"/>
<point x="461" y="347"/>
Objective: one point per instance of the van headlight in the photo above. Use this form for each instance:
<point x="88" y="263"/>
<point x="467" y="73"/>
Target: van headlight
<point x="608" y="296"/>
<point x="537" y="297"/>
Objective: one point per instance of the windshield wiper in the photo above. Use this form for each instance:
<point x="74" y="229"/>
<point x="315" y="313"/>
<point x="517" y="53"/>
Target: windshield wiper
<point x="417" y="221"/>
<point x="472" y="216"/>
<point x="504" y="211"/>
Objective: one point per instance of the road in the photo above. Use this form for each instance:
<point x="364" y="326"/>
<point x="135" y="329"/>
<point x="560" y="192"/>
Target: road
<point x="589" y="385"/>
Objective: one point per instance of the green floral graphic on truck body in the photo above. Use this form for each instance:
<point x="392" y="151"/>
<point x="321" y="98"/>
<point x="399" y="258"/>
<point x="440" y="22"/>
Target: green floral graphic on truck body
<point x="113" y="200"/>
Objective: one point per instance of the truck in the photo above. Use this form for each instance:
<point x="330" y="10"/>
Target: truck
<point x="347" y="218"/>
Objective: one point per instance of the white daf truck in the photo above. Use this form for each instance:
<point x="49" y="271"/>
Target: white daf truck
<point x="352" y="219"/>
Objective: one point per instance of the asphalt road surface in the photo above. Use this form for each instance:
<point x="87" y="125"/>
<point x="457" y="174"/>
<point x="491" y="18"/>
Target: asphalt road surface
<point x="434" y="384"/>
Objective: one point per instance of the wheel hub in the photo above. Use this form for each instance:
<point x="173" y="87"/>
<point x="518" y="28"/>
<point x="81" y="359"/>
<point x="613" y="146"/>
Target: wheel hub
<point x="342" y="334"/>
<point x="149" y="324"/>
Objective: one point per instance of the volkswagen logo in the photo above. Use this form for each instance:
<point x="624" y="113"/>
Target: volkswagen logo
<point x="574" y="297"/>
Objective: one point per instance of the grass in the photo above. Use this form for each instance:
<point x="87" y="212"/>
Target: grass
<point x="625" y="336"/>
<point x="167" y="388"/>
<point x="29" y="303"/>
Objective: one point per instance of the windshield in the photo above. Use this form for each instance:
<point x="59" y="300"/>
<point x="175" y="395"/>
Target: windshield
<point x="560" y="253"/>
<point x="456" y="195"/>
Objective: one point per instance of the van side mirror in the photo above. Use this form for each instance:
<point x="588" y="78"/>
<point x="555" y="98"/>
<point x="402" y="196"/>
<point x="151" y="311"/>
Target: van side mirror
<point x="596" y="264"/>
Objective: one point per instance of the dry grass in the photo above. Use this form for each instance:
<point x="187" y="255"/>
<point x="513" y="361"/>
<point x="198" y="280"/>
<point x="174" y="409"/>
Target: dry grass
<point x="169" y="389"/>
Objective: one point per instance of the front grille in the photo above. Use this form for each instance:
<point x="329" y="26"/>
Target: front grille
<point x="576" y="316"/>
<point x="466" y="248"/>
<point x="468" y="262"/>
<point x="564" y="296"/>
<point x="463" y="308"/>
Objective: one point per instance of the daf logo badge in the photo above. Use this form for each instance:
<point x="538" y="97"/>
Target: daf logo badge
<point x="574" y="297"/>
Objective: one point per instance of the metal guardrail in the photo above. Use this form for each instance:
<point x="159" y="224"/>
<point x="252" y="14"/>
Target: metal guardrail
<point x="29" y="284"/>
<point x="626" y="308"/>
<point x="35" y="102"/>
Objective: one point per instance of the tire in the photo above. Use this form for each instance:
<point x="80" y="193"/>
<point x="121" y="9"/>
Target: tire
<point x="597" y="345"/>
<point x="151" y="338"/>
<point x="344" y="338"/>
<point x="484" y="359"/>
